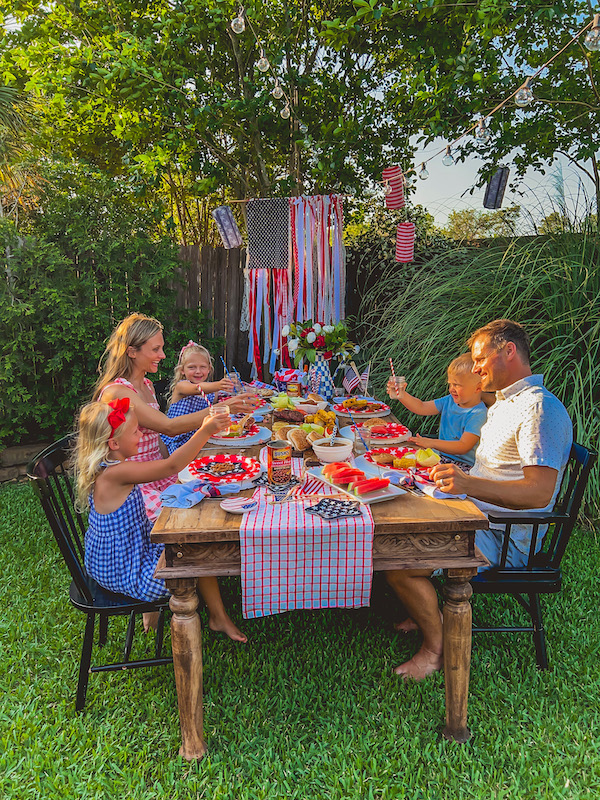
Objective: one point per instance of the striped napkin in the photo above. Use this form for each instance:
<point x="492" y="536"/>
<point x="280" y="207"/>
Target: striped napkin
<point x="291" y="559"/>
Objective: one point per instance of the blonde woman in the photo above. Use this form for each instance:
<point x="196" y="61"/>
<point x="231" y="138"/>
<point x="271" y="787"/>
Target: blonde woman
<point x="118" y="552"/>
<point x="134" y="349"/>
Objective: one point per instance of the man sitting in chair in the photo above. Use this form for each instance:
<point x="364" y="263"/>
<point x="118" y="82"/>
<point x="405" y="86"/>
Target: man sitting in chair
<point x="522" y="453"/>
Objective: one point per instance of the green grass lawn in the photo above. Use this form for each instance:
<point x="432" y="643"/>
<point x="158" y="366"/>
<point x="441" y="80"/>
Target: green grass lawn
<point x="308" y="709"/>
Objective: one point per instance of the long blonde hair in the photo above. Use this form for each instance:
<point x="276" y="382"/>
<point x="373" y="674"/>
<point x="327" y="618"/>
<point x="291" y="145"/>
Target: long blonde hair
<point x="134" y="331"/>
<point x="91" y="448"/>
<point x="187" y="351"/>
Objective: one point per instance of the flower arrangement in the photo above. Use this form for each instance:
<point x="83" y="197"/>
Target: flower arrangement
<point x="306" y="339"/>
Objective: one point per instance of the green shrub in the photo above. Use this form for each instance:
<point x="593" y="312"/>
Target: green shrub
<point x="551" y="286"/>
<point x="72" y="272"/>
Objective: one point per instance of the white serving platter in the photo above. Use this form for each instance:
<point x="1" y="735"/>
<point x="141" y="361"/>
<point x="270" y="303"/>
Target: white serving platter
<point x="389" y="493"/>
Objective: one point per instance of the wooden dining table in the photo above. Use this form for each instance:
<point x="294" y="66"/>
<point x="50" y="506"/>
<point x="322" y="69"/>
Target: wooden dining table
<point x="411" y="532"/>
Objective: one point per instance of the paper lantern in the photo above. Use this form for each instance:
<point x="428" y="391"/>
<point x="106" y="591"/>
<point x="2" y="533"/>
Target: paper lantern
<point x="405" y="242"/>
<point x="494" y="192"/>
<point x="395" y="181"/>
<point x="230" y="233"/>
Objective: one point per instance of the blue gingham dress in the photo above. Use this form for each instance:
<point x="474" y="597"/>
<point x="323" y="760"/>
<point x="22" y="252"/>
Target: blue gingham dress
<point x="118" y="552"/>
<point x="187" y="405"/>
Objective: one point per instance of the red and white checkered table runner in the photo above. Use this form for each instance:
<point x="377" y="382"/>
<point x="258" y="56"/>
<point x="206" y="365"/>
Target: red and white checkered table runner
<point x="291" y="559"/>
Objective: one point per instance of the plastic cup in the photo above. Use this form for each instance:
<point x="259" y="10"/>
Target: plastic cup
<point x="399" y="383"/>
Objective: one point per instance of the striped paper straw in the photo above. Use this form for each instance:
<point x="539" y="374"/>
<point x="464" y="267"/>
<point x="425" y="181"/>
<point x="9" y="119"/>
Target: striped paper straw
<point x="333" y="435"/>
<point x="392" y="368"/>
<point x="204" y="396"/>
<point x="228" y="373"/>
<point x="357" y="429"/>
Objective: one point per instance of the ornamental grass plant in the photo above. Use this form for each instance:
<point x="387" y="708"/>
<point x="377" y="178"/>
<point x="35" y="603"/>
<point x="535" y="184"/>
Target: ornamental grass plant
<point x="551" y="285"/>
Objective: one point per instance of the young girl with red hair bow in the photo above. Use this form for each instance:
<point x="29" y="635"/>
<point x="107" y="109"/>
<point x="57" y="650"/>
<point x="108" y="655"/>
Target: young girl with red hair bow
<point x="118" y="552"/>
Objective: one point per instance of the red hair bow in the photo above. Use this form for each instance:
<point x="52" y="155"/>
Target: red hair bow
<point x="116" y="417"/>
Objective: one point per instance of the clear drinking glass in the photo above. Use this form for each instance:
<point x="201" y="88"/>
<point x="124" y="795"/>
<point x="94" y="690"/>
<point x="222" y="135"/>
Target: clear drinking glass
<point x="220" y="411"/>
<point x="362" y="440"/>
<point x="399" y="384"/>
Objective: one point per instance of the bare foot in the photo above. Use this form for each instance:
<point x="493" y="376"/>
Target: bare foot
<point x="150" y="620"/>
<point x="406" y="626"/>
<point x="223" y="624"/>
<point x="423" y="663"/>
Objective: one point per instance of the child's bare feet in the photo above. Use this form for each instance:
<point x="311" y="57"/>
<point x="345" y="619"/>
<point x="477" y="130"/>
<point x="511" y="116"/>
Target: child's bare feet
<point x="223" y="624"/>
<point x="150" y="620"/>
<point x="423" y="663"/>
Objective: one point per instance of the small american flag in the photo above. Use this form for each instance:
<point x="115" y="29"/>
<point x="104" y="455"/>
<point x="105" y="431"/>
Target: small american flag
<point x="350" y="380"/>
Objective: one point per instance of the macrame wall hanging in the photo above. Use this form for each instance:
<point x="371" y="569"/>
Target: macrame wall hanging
<point x="295" y="271"/>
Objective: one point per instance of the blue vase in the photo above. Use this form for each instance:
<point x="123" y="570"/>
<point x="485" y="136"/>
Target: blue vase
<point x="319" y="375"/>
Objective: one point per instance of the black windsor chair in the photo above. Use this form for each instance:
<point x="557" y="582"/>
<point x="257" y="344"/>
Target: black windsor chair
<point x="542" y="574"/>
<point x="53" y="485"/>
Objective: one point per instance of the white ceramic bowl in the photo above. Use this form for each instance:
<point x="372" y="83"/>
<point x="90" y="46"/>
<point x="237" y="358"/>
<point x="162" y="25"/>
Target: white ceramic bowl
<point x="328" y="454"/>
<point x="311" y="408"/>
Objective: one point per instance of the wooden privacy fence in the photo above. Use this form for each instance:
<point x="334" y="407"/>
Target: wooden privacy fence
<point x="213" y="280"/>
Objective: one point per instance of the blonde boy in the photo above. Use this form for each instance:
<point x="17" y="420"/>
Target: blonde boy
<point x="462" y="412"/>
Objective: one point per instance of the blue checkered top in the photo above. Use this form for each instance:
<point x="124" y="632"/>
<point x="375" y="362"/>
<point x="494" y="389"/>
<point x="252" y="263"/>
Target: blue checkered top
<point x="187" y="405"/>
<point x="118" y="552"/>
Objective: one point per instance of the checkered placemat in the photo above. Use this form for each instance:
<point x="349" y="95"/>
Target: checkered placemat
<point x="292" y="559"/>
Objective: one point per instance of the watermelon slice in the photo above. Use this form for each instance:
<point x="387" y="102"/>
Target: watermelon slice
<point x="348" y="476"/>
<point x="370" y="485"/>
<point x="328" y="468"/>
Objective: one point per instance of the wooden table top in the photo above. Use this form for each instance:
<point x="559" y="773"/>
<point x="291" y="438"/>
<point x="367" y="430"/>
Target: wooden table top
<point x="207" y="522"/>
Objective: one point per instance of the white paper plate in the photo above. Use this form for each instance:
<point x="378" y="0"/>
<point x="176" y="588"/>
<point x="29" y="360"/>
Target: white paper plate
<point x="262" y="436"/>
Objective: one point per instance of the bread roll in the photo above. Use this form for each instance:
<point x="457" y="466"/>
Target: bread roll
<point x="383" y="458"/>
<point x="281" y="434"/>
<point x="375" y="421"/>
<point x="313" y="436"/>
<point x="316" y="398"/>
<point x="298" y="439"/>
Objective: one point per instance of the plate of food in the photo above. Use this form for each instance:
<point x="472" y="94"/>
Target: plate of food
<point x="402" y="458"/>
<point x="355" y="483"/>
<point x="222" y="468"/>
<point x="262" y="435"/>
<point x="362" y="407"/>
<point x="238" y="430"/>
<point x="382" y="432"/>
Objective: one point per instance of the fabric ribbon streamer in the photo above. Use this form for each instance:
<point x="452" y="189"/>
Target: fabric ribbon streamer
<point x="392" y="176"/>
<point x="405" y="242"/>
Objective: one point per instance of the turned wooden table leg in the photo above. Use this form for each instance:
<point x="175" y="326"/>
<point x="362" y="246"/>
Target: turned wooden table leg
<point x="186" y="642"/>
<point x="457" y="651"/>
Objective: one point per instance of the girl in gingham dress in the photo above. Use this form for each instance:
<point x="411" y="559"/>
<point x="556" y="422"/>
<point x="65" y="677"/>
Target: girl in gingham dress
<point x="189" y="390"/>
<point x="135" y="348"/>
<point x="118" y="552"/>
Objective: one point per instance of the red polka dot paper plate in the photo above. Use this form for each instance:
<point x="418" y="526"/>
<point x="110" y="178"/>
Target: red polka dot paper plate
<point x="224" y="468"/>
<point x="374" y="408"/>
<point x="392" y="432"/>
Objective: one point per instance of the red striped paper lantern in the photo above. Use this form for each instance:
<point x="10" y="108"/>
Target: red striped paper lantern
<point x="393" y="177"/>
<point x="405" y="242"/>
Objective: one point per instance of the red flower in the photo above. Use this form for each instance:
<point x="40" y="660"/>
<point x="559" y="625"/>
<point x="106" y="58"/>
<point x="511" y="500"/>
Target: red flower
<point x="319" y="342"/>
<point x="328" y="355"/>
<point x="305" y="333"/>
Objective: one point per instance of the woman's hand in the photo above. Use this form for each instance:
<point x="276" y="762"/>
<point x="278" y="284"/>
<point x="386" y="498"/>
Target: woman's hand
<point x="450" y="478"/>
<point x="243" y="403"/>
<point x="216" y="423"/>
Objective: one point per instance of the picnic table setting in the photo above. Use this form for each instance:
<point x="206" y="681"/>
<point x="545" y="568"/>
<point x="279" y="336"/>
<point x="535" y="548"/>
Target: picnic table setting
<point x="304" y="500"/>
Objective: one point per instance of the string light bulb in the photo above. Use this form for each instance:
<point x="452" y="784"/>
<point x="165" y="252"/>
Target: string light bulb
<point x="482" y="134"/>
<point x="303" y="127"/>
<point x="263" y="62"/>
<point x="592" y="38"/>
<point x="238" y="25"/>
<point x="448" y="159"/>
<point x="285" y="111"/>
<point x="423" y="173"/>
<point x="387" y="189"/>
<point x="277" y="90"/>
<point x="524" y="97"/>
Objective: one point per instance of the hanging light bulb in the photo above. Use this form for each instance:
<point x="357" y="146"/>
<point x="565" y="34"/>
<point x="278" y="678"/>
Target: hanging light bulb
<point x="482" y="134"/>
<point x="592" y="38"/>
<point x="448" y="159"/>
<point x="238" y="25"/>
<point x="285" y="111"/>
<point x="409" y="179"/>
<point x="423" y="173"/>
<point x="263" y="62"/>
<point x="387" y="189"/>
<point x="524" y="96"/>
<point x="277" y="90"/>
<point x="303" y="127"/>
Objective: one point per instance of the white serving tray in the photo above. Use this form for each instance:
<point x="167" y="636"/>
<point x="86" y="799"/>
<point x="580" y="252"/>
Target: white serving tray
<point x="389" y="493"/>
